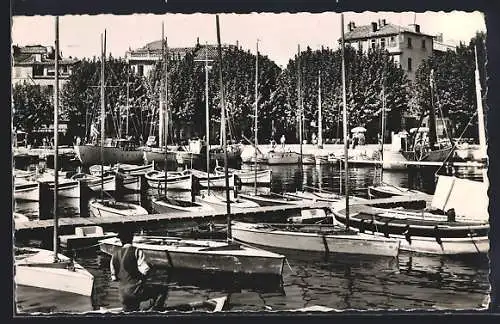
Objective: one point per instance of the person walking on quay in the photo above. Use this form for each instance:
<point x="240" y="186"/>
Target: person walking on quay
<point x="129" y="267"/>
<point x="282" y="140"/>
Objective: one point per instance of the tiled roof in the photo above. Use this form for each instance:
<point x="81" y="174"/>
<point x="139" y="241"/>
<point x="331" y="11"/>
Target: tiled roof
<point x="155" y="47"/>
<point x="33" y="49"/>
<point x="362" y="32"/>
<point x="211" y="52"/>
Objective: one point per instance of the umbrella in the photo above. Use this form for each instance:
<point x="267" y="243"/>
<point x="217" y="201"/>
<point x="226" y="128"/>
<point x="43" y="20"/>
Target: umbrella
<point x="358" y="129"/>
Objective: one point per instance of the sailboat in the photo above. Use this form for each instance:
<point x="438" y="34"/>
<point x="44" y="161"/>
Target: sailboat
<point x="323" y="238"/>
<point x="205" y="255"/>
<point x="161" y="153"/>
<point x="109" y="207"/>
<point x="49" y="269"/>
<point x="452" y="226"/>
<point x="420" y="151"/>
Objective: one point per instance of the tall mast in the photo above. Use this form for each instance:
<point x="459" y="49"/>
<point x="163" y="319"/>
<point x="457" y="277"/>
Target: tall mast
<point x="346" y="144"/>
<point x="224" y="138"/>
<point x="128" y="103"/>
<point x="299" y="107"/>
<point x="256" y="112"/>
<point x="382" y="117"/>
<point x="166" y="113"/>
<point x="480" y="113"/>
<point x="162" y="99"/>
<point x="207" y="118"/>
<point x="103" y="109"/>
<point x="432" y="115"/>
<point x="56" y="133"/>
<point x="320" y="116"/>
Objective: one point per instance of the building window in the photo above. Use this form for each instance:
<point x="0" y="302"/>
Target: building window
<point x="382" y="43"/>
<point x="140" y="70"/>
<point x="409" y="42"/>
<point x="409" y="64"/>
<point x="393" y="41"/>
<point x="37" y="70"/>
<point x="360" y="45"/>
<point x="373" y="44"/>
<point x="423" y="43"/>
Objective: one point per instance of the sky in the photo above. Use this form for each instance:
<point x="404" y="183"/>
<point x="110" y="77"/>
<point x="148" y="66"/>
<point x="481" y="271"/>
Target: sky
<point x="278" y="34"/>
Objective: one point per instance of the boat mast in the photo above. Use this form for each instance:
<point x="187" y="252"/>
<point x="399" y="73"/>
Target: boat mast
<point x="103" y="109"/>
<point x="207" y="118"/>
<point x="480" y="113"/>
<point x="128" y="103"/>
<point x="382" y="113"/>
<point x="224" y="138"/>
<point x="346" y="145"/>
<point x="299" y="107"/>
<point x="320" y="116"/>
<point x="56" y="133"/>
<point x="166" y="112"/>
<point x="432" y="115"/>
<point x="162" y="100"/>
<point x="256" y="111"/>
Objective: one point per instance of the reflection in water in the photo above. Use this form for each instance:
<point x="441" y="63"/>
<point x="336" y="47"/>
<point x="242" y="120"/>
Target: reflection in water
<point x="409" y="282"/>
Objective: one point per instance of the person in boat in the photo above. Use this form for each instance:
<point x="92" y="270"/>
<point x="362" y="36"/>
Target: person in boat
<point x="129" y="267"/>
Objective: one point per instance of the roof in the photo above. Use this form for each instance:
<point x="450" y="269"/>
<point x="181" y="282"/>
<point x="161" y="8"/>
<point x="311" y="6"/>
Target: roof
<point x="33" y="49"/>
<point x="26" y="55"/>
<point x="363" y="32"/>
<point x="211" y="52"/>
<point x="156" y="47"/>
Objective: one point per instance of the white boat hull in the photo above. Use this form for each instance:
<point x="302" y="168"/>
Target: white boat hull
<point x="67" y="189"/>
<point x="27" y="191"/>
<point x="94" y="183"/>
<point x="203" y="255"/>
<point x="135" y="170"/>
<point x="263" y="235"/>
<point x="248" y="177"/>
<point x="132" y="183"/>
<point x="161" y="206"/>
<point x="37" y="271"/>
<point x="174" y="182"/>
<point x="99" y="209"/>
<point x="277" y="157"/>
<point x="219" y="203"/>
<point x="91" y="154"/>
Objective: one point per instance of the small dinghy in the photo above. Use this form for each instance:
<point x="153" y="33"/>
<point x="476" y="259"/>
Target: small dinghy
<point x="84" y="236"/>
<point x="248" y="176"/>
<point x="215" y="180"/>
<point x="169" y="205"/>
<point x="132" y="169"/>
<point x="218" y="202"/>
<point x="175" y="180"/>
<point x="108" y="207"/>
<point x="203" y="255"/>
<point x="387" y="190"/>
<point x="212" y="305"/>
<point x="96" y="183"/>
<point x="97" y="169"/>
<point x="271" y="199"/>
<point x="131" y="182"/>
<point x="36" y="268"/>
<point x="26" y="190"/>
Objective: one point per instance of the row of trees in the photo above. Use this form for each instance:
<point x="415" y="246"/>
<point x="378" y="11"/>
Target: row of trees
<point x="368" y="76"/>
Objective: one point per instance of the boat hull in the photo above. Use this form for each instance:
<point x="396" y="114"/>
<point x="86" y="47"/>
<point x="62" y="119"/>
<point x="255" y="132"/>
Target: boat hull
<point x="212" y="256"/>
<point x="430" y="236"/>
<point x="67" y="189"/>
<point x="39" y="271"/>
<point x="158" y="156"/>
<point x="156" y="180"/>
<point x="219" y="203"/>
<point x="389" y="191"/>
<point x="313" y="242"/>
<point x="91" y="154"/>
<point x="282" y="158"/>
<point x="132" y="183"/>
<point x="100" y="209"/>
<point x="161" y="206"/>
<point x="431" y="156"/>
<point x="27" y="191"/>
<point x="94" y="183"/>
<point x="187" y="158"/>
<point x="248" y="177"/>
<point x="308" y="159"/>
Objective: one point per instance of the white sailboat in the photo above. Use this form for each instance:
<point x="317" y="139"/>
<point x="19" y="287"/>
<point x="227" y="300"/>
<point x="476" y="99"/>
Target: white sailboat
<point x="334" y="239"/>
<point x="109" y="207"/>
<point x="49" y="269"/>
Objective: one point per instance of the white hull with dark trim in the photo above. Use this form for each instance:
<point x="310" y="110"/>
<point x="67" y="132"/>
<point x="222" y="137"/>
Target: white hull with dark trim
<point x="108" y="208"/>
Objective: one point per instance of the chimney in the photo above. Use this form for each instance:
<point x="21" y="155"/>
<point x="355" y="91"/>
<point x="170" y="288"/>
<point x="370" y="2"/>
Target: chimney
<point x="374" y="26"/>
<point x="379" y="24"/>
<point x="384" y="23"/>
<point x="417" y="28"/>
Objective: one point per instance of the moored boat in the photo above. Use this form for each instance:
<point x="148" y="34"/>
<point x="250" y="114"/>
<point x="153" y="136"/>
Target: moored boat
<point x="203" y="255"/>
<point x="387" y="190"/>
<point x="20" y="218"/>
<point x="36" y="268"/>
<point x="26" y="190"/>
<point x="131" y="182"/>
<point x="121" y="152"/>
<point x="158" y="155"/>
<point x="308" y="159"/>
<point x="175" y="180"/>
<point x="169" y="205"/>
<point x="218" y="202"/>
<point x="97" y="169"/>
<point x="215" y="180"/>
<point x="248" y="176"/>
<point x="107" y="207"/>
<point x="282" y="157"/>
<point x="271" y="199"/>
<point x="84" y="237"/>
<point x="338" y="241"/>
<point x="133" y="169"/>
<point x="107" y="183"/>
<point x="65" y="188"/>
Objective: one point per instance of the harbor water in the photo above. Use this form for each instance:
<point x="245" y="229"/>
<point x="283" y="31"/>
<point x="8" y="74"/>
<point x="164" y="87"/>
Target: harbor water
<point x="407" y="283"/>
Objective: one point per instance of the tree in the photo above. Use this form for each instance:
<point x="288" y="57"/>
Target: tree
<point x="33" y="107"/>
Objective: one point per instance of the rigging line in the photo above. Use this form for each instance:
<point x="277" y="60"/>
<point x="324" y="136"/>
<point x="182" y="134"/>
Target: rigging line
<point x="438" y="102"/>
<point x="455" y="144"/>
